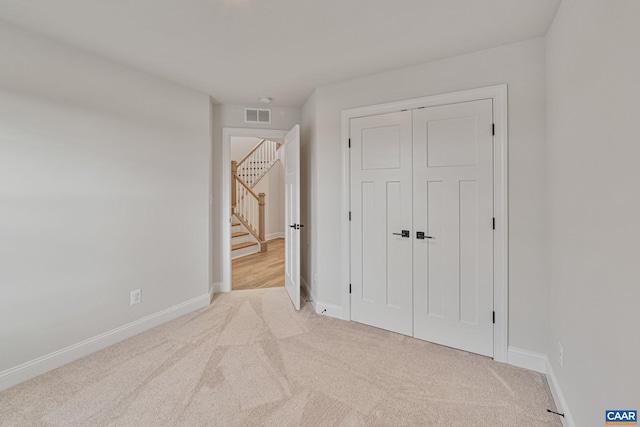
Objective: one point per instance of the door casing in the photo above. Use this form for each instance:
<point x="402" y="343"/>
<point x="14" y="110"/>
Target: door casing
<point x="498" y="94"/>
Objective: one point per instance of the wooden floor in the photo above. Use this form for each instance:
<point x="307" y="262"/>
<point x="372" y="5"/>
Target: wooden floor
<point x="261" y="270"/>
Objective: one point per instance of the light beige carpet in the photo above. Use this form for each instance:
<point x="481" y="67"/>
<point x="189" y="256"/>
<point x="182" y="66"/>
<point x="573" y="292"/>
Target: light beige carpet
<point x="249" y="359"/>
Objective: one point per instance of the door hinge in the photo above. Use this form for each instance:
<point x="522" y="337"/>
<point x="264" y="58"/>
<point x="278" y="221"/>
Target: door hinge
<point x="349" y="287"/>
<point x="494" y="223"/>
<point x="349" y="142"/>
<point x="349" y="215"/>
<point x="493" y="129"/>
<point x="494" y="317"/>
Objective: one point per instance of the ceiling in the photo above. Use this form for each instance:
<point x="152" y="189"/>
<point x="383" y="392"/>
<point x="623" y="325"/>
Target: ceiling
<point x="239" y="50"/>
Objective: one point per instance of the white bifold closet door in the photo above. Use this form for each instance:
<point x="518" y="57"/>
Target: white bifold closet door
<point x="381" y="259"/>
<point x="427" y="171"/>
<point x="453" y="204"/>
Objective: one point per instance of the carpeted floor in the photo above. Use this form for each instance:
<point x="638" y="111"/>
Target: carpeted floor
<point x="249" y="359"/>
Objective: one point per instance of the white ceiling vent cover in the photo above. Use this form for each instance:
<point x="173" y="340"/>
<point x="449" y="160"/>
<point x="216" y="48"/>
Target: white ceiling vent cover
<point x="257" y="115"/>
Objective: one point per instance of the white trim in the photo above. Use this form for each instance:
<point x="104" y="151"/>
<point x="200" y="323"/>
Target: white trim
<point x="527" y="359"/>
<point x="540" y="363"/>
<point x="277" y="235"/>
<point x="216" y="287"/>
<point x="501" y="233"/>
<point x="347" y="115"/>
<point x="558" y="397"/>
<point x="225" y="206"/>
<point x="501" y="263"/>
<point x="39" y="366"/>
<point x="332" y="310"/>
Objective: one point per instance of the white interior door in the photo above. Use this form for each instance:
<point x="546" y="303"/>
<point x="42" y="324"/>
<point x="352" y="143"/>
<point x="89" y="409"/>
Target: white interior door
<point x="381" y="263"/>
<point x="453" y="207"/>
<point x="292" y="214"/>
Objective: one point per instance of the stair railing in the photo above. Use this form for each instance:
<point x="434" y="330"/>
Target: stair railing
<point x="249" y="208"/>
<point x="257" y="162"/>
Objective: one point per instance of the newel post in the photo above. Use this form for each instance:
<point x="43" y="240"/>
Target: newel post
<point x="234" y="171"/>
<point x="261" y="216"/>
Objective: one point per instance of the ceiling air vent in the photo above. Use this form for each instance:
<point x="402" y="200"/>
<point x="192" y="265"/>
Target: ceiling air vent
<point x="257" y="115"/>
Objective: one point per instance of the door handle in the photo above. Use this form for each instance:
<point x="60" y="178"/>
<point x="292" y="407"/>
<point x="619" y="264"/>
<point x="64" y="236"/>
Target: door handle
<point x="405" y="233"/>
<point x="420" y="235"/>
<point x="296" y="226"/>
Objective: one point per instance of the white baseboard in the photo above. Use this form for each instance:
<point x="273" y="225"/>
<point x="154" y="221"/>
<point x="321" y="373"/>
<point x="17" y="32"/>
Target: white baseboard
<point x="558" y="397"/>
<point x="540" y="363"/>
<point x="216" y="288"/>
<point x="527" y="359"/>
<point x="41" y="365"/>
<point x="328" y="309"/>
<point x="271" y="236"/>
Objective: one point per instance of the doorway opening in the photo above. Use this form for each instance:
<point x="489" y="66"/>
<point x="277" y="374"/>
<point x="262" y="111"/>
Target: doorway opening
<point x="244" y="205"/>
<point x="259" y="270"/>
<point x="257" y="212"/>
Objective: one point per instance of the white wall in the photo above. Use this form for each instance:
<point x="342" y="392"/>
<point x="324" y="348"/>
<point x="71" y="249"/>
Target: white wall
<point x="104" y="180"/>
<point x="593" y="92"/>
<point x="521" y="66"/>
<point x="241" y="145"/>
<point x="232" y="116"/>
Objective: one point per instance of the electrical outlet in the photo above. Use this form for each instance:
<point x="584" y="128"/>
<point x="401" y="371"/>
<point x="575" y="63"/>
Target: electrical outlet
<point x="315" y="278"/>
<point x="136" y="296"/>
<point x="561" y="348"/>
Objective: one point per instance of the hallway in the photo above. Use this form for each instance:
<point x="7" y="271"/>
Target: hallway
<point x="261" y="270"/>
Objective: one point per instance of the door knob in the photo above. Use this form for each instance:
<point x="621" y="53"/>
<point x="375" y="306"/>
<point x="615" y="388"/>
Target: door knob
<point x="405" y="233"/>
<point x="420" y="235"/>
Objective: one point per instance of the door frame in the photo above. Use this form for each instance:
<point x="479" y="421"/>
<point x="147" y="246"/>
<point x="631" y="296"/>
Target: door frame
<point x="225" y="216"/>
<point x="498" y="94"/>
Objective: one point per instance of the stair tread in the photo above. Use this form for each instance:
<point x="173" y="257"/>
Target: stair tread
<point x="242" y="245"/>
<point x="233" y="224"/>
<point x="239" y="234"/>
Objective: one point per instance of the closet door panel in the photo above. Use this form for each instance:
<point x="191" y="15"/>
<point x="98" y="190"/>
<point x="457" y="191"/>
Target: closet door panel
<point x="453" y="206"/>
<point x="381" y="194"/>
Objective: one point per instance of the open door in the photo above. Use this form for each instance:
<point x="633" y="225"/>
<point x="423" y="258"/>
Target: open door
<point x="292" y="215"/>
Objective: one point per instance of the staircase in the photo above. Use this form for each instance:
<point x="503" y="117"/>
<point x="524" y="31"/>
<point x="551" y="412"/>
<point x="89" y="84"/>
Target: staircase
<point x="247" y="207"/>
<point x="242" y="241"/>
